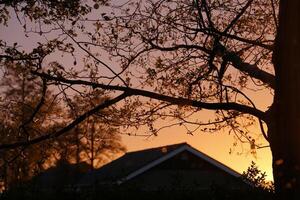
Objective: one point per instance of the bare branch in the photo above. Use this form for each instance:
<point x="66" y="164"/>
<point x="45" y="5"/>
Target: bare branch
<point x="94" y="57"/>
<point x="38" y="107"/>
<point x="174" y="100"/>
<point x="238" y="16"/>
<point x="234" y="58"/>
<point x="250" y="69"/>
<point x="67" y="128"/>
<point x="18" y="58"/>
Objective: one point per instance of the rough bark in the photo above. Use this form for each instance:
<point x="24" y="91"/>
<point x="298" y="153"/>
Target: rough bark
<point x="284" y="122"/>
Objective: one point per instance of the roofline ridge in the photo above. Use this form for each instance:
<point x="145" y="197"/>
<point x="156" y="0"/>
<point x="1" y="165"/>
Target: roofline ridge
<point x="215" y="160"/>
<point x="158" y="147"/>
<point x="185" y="146"/>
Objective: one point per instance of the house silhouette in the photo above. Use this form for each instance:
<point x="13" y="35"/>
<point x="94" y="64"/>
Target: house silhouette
<point x="172" y="167"/>
<point x="175" y="172"/>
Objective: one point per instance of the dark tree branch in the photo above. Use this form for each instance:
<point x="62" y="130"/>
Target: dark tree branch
<point x="161" y="97"/>
<point x="23" y="126"/>
<point x="238" y="16"/>
<point x="253" y="104"/>
<point x="39" y="105"/>
<point x="250" y="69"/>
<point x="93" y="56"/>
<point x="18" y="58"/>
<point x="179" y="46"/>
<point x="208" y="14"/>
<point x="215" y="32"/>
<point x="245" y="40"/>
<point x="274" y="14"/>
<point x="67" y="128"/>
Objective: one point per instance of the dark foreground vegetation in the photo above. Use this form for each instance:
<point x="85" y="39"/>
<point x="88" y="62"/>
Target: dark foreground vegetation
<point x="105" y="193"/>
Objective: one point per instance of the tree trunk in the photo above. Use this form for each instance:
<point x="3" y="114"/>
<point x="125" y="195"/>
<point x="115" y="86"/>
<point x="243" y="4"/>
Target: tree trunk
<point x="284" y="124"/>
<point x="5" y="180"/>
<point x="77" y="146"/>
<point x="92" y="123"/>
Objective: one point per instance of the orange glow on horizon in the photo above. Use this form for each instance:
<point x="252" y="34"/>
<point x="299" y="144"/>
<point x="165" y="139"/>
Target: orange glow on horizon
<point x="216" y="145"/>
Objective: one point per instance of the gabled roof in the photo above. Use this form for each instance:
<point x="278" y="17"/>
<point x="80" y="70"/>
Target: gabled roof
<point x="135" y="163"/>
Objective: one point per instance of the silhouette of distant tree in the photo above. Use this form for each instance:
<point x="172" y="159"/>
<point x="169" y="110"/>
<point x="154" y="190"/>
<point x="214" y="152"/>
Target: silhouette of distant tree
<point x="186" y="56"/>
<point x="257" y="178"/>
<point x="93" y="140"/>
<point x="28" y="110"/>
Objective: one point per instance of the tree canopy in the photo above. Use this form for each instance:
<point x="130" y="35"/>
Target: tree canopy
<point x="193" y="54"/>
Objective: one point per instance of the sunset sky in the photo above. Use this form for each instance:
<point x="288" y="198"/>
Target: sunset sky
<point x="217" y="145"/>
